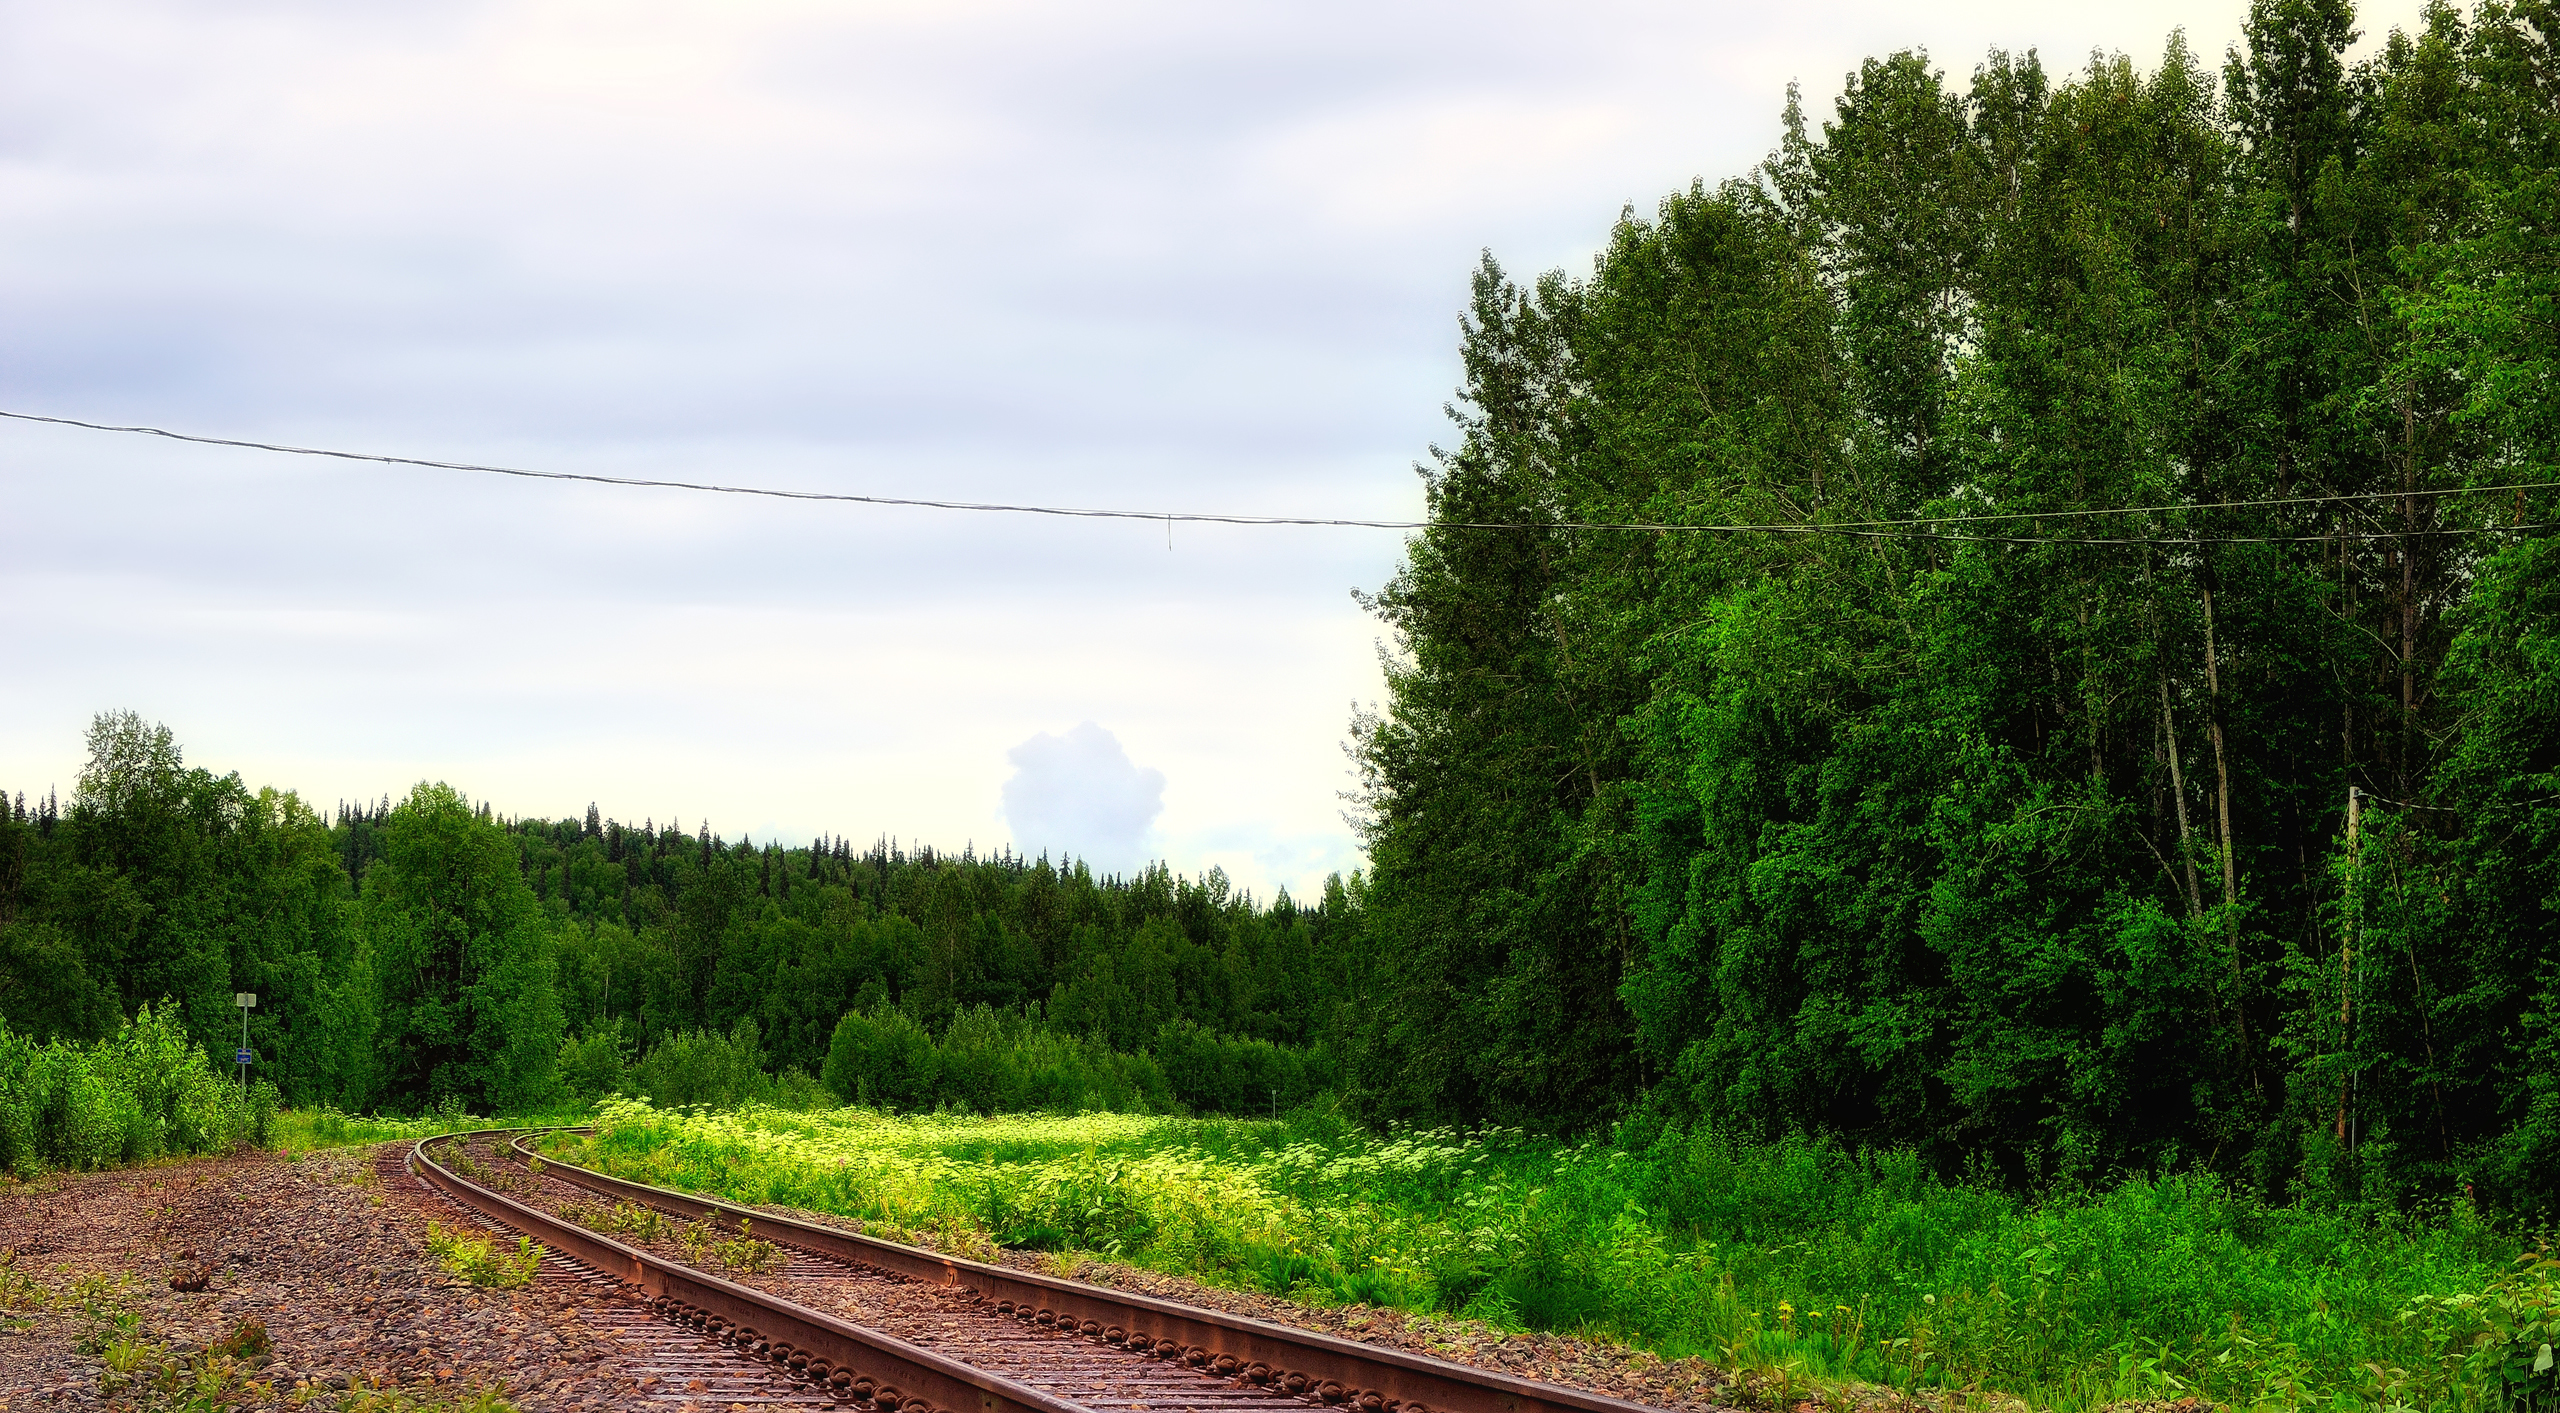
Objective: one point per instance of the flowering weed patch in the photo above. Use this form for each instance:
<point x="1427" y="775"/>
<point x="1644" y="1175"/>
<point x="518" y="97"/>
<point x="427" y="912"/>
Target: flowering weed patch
<point x="473" y="1259"/>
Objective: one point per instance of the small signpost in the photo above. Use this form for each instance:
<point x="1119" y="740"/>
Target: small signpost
<point x="247" y="1001"/>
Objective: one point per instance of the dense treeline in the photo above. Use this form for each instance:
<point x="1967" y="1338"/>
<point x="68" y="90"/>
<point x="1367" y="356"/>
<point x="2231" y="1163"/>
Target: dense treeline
<point x="661" y="931"/>
<point x="2023" y="837"/>
<point x="411" y="954"/>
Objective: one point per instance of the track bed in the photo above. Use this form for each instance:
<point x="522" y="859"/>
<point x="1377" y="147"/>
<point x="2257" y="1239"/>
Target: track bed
<point x="897" y="1329"/>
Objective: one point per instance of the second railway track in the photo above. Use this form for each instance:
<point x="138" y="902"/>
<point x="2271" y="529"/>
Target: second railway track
<point x="854" y="1321"/>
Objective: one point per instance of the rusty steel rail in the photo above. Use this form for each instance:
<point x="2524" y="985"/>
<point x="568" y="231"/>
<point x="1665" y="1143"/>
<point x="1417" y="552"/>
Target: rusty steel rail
<point x="1361" y="1378"/>
<point x="864" y="1366"/>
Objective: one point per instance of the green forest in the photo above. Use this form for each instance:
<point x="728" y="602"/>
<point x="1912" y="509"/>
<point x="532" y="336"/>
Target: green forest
<point x="430" y="953"/>
<point x="2135" y="748"/>
<point x="2022" y="631"/>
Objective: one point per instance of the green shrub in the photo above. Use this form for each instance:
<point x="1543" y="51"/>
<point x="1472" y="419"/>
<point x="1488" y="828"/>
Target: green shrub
<point x="139" y="1094"/>
<point x="2504" y="1336"/>
<point x="17" y="1101"/>
<point x="885" y="1059"/>
<point x="704" y="1067"/>
<point x="988" y="1061"/>
<point x="75" y="1125"/>
<point x="594" y="1065"/>
<point x="1225" y="1074"/>
<point x="799" y="1090"/>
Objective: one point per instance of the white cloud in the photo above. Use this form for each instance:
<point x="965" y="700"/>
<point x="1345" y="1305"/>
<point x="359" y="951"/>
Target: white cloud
<point x="1079" y="794"/>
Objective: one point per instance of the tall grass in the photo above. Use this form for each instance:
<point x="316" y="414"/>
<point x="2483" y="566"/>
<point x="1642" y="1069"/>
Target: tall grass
<point x="325" y="1127"/>
<point x="145" y="1092"/>
<point x="1793" y="1257"/>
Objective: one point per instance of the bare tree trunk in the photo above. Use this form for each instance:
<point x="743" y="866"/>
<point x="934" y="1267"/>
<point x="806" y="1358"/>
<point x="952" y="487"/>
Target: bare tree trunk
<point x="2097" y="730"/>
<point x="2346" y="609"/>
<point x="2178" y="791"/>
<point x="2221" y="762"/>
<point x="2347" y="948"/>
<point x="2222" y="805"/>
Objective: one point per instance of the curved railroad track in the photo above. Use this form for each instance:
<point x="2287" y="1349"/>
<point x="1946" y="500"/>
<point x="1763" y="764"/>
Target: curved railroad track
<point x="975" y="1337"/>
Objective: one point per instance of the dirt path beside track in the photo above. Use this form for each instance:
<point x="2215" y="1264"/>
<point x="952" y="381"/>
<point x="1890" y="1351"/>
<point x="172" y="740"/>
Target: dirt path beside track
<point x="329" y="1258"/>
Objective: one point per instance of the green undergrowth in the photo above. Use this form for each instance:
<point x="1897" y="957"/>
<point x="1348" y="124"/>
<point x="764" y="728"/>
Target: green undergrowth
<point x="148" y="1094"/>
<point x="318" y="1127"/>
<point x="143" y="1093"/>
<point x="1795" y="1258"/>
<point x="301" y="1130"/>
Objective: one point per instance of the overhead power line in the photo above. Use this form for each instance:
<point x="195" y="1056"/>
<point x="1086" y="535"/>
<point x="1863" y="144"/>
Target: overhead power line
<point x="1924" y="527"/>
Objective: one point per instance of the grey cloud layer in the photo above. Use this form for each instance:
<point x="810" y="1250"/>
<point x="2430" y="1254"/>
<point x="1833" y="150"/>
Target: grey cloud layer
<point x="1196" y="257"/>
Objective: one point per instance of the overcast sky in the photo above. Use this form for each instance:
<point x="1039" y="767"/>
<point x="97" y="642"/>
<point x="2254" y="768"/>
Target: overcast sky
<point x="1162" y="256"/>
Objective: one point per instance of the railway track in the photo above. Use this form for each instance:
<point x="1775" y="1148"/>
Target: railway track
<point x="853" y="1321"/>
<point x="671" y="1362"/>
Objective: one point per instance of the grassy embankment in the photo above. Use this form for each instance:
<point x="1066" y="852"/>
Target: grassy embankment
<point x="1793" y="1259"/>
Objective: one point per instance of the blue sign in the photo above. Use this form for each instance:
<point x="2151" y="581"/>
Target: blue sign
<point x="244" y="1057"/>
